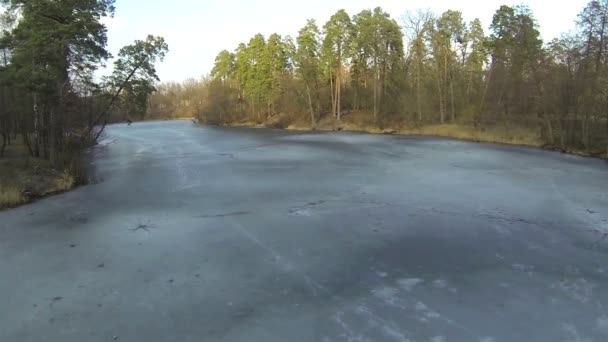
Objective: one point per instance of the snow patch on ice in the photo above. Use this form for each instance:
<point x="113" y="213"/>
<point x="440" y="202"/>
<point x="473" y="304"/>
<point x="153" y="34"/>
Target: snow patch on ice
<point x="602" y="325"/>
<point x="385" y="292"/>
<point x="579" y="289"/>
<point x="440" y="283"/>
<point x="409" y="284"/>
<point x="302" y="212"/>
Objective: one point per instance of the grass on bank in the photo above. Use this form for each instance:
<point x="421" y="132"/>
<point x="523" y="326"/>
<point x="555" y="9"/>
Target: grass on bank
<point x="363" y="122"/>
<point x="11" y="196"/>
<point x="360" y="121"/>
<point x="514" y="135"/>
<point x="24" y="178"/>
<point x="65" y="181"/>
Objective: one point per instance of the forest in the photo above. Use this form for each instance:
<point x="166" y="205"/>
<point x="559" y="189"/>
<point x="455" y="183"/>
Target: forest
<point x="422" y="73"/>
<point x="52" y="103"/>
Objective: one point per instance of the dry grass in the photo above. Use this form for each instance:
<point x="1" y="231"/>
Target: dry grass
<point x="11" y="196"/>
<point x="360" y="121"/>
<point x="65" y="181"/>
<point x="515" y="135"/>
<point x="363" y="122"/>
<point x="24" y="179"/>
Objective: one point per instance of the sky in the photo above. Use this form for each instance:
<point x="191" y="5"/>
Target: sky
<point x="196" y="30"/>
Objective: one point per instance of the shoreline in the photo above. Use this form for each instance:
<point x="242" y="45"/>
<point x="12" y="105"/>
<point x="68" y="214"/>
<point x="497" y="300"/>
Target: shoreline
<point x="26" y="196"/>
<point x="423" y="132"/>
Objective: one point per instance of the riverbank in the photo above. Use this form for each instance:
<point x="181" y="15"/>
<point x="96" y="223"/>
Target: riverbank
<point x="361" y="122"/>
<point x="24" y="179"/>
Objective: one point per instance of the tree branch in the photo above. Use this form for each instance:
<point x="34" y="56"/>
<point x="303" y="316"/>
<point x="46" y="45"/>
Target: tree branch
<point x="62" y="21"/>
<point x="112" y="101"/>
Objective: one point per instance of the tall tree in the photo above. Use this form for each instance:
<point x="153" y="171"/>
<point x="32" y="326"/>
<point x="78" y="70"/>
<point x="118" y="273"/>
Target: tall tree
<point x="224" y="67"/>
<point x="416" y="25"/>
<point x="516" y="49"/>
<point x="474" y="66"/>
<point x="308" y="65"/>
<point x="257" y="79"/>
<point x="390" y="51"/>
<point x="336" y="50"/>
<point x="135" y="73"/>
<point x="447" y="36"/>
<point x="593" y="27"/>
<point x="378" y="47"/>
<point x="55" y="42"/>
<point x="276" y="57"/>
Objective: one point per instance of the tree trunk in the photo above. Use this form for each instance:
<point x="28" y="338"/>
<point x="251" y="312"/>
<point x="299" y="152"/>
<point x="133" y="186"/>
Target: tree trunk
<point x="54" y="148"/>
<point x="355" y="87"/>
<point x="469" y="84"/>
<point x="338" y="90"/>
<point x="317" y="97"/>
<point x="445" y="83"/>
<point x="549" y="127"/>
<point x="452" y="100"/>
<point x="268" y="111"/>
<point x="384" y="84"/>
<point x="37" y="133"/>
<point x="441" y="109"/>
<point x="418" y="92"/>
<point x="3" y="147"/>
<point x="112" y="101"/>
<point x="16" y="127"/>
<point x="376" y="77"/>
<point x="572" y="125"/>
<point x="506" y="115"/>
<point x="333" y="95"/>
<point x="600" y="52"/>
<point x="310" y="106"/>
<point x="58" y="110"/>
<point x="505" y="111"/>
<point x="606" y="124"/>
<point x="478" y="117"/>
<point x="546" y="120"/>
<point x="585" y="131"/>
<point x="27" y="143"/>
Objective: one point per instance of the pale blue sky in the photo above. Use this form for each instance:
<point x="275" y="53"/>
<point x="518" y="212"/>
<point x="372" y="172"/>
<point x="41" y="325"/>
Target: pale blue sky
<point x="196" y="30"/>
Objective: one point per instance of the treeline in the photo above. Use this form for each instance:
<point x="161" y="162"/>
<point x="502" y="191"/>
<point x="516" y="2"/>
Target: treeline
<point x="426" y="69"/>
<point x="50" y="100"/>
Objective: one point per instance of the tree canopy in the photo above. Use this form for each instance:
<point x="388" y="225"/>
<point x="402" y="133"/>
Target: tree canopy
<point x="48" y="89"/>
<point x="427" y="69"/>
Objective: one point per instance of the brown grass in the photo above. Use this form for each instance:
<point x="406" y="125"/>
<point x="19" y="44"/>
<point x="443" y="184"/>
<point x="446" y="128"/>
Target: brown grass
<point x="514" y="135"/>
<point x="65" y="181"/>
<point x="24" y="179"/>
<point x="10" y="196"/>
<point x="363" y="122"/>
